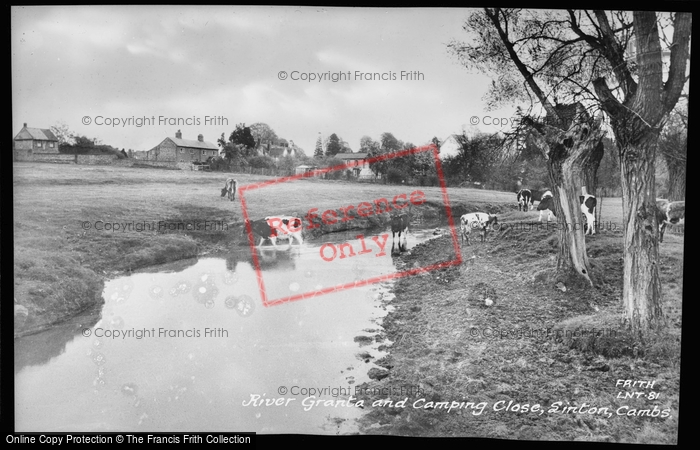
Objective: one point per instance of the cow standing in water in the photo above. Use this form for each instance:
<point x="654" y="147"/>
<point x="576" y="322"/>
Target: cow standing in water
<point x="274" y="227"/>
<point x="229" y="189"/>
<point x="399" y="225"/>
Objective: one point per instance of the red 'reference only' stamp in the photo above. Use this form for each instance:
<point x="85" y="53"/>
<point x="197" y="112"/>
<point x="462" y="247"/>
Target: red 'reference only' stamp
<point x="293" y="226"/>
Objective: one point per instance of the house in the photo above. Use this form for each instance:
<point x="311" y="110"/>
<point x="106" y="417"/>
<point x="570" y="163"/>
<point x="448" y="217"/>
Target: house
<point x="451" y="146"/>
<point x="357" y="162"/>
<point x="30" y="141"/>
<point x="277" y="151"/>
<point x="178" y="150"/>
<point x="298" y="170"/>
<point x="140" y="154"/>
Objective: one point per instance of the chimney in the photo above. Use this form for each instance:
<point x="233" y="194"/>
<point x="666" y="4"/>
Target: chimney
<point x="25" y="124"/>
<point x="200" y="138"/>
<point x="178" y="134"/>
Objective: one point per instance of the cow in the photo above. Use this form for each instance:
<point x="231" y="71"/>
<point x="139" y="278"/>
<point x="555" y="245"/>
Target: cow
<point x="274" y="227"/>
<point x="546" y="204"/>
<point x="524" y="197"/>
<point x="482" y="221"/>
<point x="588" y="205"/>
<point x="399" y="225"/>
<point x="668" y="213"/>
<point x="229" y="189"/>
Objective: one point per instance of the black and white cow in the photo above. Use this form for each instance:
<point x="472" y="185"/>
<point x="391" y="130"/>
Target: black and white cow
<point x="668" y="213"/>
<point x="477" y="221"/>
<point x="277" y="227"/>
<point x="399" y="226"/>
<point x="525" y="198"/>
<point x="229" y="189"/>
<point x="546" y="204"/>
<point x="588" y="205"/>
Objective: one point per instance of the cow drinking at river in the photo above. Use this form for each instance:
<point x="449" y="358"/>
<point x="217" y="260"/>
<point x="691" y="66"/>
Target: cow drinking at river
<point x="277" y="227"/>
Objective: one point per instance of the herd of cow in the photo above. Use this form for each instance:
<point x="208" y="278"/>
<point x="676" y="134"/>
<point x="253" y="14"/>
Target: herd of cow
<point x="588" y="205"/>
<point x="667" y="213"/>
<point x="289" y="227"/>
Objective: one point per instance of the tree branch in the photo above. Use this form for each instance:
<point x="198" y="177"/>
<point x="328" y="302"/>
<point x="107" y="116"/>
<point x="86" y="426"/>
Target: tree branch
<point x="679" y="55"/>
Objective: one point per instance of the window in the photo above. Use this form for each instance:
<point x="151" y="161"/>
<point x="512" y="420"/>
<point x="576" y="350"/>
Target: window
<point x="191" y="152"/>
<point x="51" y="144"/>
<point x="182" y="150"/>
<point x="38" y="144"/>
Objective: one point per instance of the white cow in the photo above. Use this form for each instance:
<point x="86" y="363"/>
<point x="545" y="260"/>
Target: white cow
<point x="480" y="221"/>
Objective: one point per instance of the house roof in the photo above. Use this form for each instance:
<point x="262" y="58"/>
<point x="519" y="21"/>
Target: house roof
<point x="189" y="143"/>
<point x="351" y="156"/>
<point x="456" y="137"/>
<point x="277" y="151"/>
<point x="40" y="134"/>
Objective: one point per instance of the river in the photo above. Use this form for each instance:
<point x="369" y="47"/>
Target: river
<point x="189" y="346"/>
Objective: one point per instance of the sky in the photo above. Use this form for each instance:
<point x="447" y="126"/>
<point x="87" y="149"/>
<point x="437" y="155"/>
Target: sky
<point x="133" y="75"/>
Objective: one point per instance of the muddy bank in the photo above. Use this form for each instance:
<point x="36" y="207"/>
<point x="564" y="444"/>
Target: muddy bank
<point x="487" y="332"/>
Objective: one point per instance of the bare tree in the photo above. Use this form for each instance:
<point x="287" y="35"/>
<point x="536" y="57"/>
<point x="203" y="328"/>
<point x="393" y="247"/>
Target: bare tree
<point x="581" y="56"/>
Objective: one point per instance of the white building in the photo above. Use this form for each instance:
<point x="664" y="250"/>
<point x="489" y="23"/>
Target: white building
<point x="450" y="146"/>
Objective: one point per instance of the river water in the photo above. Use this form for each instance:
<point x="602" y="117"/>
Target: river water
<point x="190" y="346"/>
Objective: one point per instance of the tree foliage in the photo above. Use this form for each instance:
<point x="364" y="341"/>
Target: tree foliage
<point x="318" y="151"/>
<point x="243" y="137"/>
<point x="63" y="133"/>
<point x="334" y="145"/>
<point x="263" y="133"/>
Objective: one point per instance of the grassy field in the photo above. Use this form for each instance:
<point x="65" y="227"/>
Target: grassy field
<point x="61" y="264"/>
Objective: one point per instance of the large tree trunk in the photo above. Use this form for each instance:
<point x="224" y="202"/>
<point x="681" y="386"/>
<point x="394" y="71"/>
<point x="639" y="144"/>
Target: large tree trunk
<point x="590" y="167"/>
<point x="568" y="154"/>
<point x="636" y="122"/>
<point x="641" y="292"/>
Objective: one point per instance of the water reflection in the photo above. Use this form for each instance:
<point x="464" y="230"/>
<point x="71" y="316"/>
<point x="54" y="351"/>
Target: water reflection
<point x="190" y="346"/>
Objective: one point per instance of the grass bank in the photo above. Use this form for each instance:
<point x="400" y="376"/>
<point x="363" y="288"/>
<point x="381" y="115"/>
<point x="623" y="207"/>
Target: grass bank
<point x="491" y="331"/>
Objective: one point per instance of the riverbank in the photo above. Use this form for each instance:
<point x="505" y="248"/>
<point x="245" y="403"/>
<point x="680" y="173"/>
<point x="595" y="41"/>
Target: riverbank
<point x="491" y="332"/>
